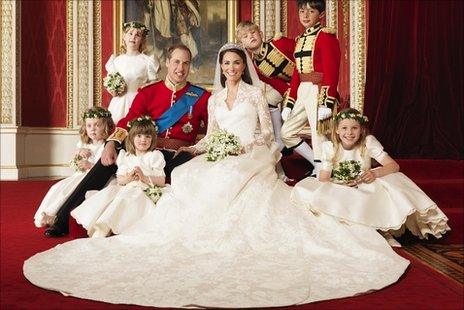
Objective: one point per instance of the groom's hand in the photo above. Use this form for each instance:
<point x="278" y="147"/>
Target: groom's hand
<point x="187" y="149"/>
<point x="109" y="154"/>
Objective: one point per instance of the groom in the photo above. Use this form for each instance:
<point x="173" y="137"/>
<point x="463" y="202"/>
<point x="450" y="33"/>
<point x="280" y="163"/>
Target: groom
<point x="177" y="107"/>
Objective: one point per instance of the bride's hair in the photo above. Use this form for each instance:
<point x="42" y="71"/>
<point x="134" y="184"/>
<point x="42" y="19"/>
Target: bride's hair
<point x="246" y="73"/>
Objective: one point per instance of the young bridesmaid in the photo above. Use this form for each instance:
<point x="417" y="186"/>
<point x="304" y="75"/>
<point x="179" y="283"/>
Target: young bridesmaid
<point x="117" y="207"/>
<point x="136" y="68"/>
<point x="96" y="127"/>
<point x="380" y="197"/>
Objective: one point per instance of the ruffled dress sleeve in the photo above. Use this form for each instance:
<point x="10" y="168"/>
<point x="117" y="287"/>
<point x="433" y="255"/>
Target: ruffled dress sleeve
<point x="328" y="153"/>
<point x="110" y="66"/>
<point x="375" y="149"/>
<point x="157" y="163"/>
<point x="152" y="67"/>
<point x="122" y="163"/>
<point x="200" y="146"/>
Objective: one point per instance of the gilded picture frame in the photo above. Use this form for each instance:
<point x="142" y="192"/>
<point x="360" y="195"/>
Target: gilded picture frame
<point x="203" y="25"/>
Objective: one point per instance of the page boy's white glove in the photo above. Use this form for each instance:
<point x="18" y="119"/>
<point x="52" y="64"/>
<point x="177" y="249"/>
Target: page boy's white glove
<point x="323" y="113"/>
<point x="286" y="113"/>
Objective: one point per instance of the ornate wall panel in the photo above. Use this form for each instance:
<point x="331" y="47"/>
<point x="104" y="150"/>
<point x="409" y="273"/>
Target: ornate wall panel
<point x="10" y="75"/>
<point x="84" y="58"/>
<point x="357" y="53"/>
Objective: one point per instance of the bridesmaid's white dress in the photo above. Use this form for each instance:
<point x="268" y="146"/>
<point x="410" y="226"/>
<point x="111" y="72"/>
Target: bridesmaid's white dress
<point x="225" y="235"/>
<point x="59" y="192"/>
<point x="137" y="71"/>
<point x="390" y="203"/>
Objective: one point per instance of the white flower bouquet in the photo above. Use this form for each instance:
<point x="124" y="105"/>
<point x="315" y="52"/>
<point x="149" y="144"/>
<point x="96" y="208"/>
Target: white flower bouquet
<point x="346" y="171"/>
<point x="154" y="192"/>
<point x="114" y="83"/>
<point x="221" y="144"/>
<point x="74" y="163"/>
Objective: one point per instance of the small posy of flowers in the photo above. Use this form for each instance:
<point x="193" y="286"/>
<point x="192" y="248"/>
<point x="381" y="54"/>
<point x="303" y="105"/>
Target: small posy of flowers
<point x="144" y="119"/>
<point x="221" y="144"/>
<point x="346" y="171"/>
<point x="114" y="83"/>
<point x="154" y="192"/>
<point x="74" y="163"/>
<point x="362" y="119"/>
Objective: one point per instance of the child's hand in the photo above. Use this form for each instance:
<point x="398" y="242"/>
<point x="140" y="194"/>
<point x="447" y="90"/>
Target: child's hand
<point x="112" y="92"/>
<point x="367" y="177"/>
<point x="84" y="153"/>
<point x="84" y="165"/>
<point x="139" y="174"/>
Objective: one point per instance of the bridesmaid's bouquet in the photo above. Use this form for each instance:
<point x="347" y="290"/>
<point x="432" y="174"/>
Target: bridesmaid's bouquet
<point x="346" y="171"/>
<point x="154" y="192"/>
<point x="74" y="163"/>
<point x="221" y="144"/>
<point x="114" y="83"/>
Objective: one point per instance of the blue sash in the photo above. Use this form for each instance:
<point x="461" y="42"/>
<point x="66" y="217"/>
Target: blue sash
<point x="178" y="109"/>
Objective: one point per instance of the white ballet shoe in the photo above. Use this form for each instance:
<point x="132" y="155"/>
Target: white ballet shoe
<point x="391" y="241"/>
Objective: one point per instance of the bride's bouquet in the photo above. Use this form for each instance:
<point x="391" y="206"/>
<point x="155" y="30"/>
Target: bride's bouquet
<point x="346" y="171"/>
<point x="114" y="83"/>
<point x="154" y="192"/>
<point x="221" y="144"/>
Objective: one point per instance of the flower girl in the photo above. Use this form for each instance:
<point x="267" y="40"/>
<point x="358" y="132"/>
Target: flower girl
<point x="350" y="190"/>
<point x="130" y="70"/>
<point x="95" y="128"/>
<point x="140" y="176"/>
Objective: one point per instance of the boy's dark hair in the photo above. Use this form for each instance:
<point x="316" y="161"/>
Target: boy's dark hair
<point x="314" y="4"/>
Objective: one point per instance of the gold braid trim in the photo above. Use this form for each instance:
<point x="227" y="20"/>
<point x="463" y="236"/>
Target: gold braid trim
<point x="324" y="100"/>
<point x="118" y="135"/>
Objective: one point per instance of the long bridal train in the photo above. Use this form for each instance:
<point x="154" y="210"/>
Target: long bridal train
<point x="245" y="246"/>
<point x="224" y="235"/>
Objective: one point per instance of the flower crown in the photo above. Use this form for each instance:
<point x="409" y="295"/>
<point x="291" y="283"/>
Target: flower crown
<point x="145" y="119"/>
<point x="351" y="115"/>
<point x="136" y="25"/>
<point x="100" y="113"/>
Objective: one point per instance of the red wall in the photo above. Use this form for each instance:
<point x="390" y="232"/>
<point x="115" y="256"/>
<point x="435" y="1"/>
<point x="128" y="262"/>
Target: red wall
<point x="43" y="63"/>
<point x="107" y="42"/>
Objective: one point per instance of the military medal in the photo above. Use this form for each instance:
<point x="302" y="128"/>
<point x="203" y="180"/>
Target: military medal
<point x="187" y="128"/>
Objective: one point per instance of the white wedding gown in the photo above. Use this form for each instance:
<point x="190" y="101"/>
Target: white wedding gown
<point x="225" y="235"/>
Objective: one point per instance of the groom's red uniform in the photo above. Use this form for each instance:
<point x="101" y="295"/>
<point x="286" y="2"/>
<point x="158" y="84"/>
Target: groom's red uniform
<point x="154" y="100"/>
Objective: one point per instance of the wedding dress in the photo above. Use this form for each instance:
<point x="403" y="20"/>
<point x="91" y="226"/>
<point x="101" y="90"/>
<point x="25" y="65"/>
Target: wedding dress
<point x="224" y="235"/>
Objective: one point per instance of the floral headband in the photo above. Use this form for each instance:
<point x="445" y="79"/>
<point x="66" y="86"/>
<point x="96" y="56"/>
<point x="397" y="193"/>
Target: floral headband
<point x="100" y="113"/>
<point x="142" y="120"/>
<point x="351" y="115"/>
<point x="136" y="25"/>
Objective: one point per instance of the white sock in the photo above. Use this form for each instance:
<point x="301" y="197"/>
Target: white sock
<point x="306" y="151"/>
<point x="276" y="119"/>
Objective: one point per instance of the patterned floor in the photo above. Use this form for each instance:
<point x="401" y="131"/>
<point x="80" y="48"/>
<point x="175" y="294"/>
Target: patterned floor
<point x="447" y="259"/>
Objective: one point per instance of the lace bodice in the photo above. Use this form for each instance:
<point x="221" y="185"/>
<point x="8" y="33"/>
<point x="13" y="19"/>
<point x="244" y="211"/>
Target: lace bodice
<point x="248" y="118"/>
<point x="363" y="154"/>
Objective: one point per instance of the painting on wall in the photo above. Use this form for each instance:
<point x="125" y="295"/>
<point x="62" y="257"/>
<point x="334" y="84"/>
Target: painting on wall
<point x="202" y="25"/>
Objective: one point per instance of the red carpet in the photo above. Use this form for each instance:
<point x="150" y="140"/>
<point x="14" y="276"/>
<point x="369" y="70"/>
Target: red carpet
<point x="421" y="287"/>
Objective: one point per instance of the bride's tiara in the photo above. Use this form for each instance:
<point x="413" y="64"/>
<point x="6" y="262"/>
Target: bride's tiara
<point x="229" y="46"/>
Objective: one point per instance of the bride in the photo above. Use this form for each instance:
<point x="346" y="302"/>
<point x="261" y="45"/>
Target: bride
<point x="225" y="234"/>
